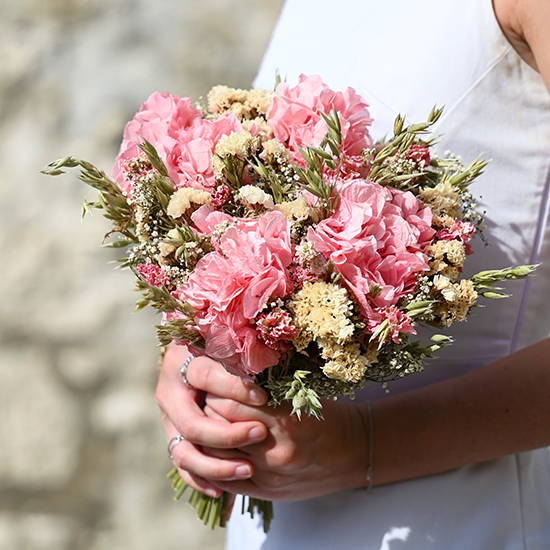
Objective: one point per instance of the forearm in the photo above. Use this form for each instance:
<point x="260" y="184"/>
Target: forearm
<point x="500" y="409"/>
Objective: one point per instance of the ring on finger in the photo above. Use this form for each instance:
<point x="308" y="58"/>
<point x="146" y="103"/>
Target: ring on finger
<point x="183" y="370"/>
<point x="173" y="442"/>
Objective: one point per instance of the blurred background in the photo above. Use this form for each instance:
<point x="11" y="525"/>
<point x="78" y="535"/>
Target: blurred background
<point x="82" y="455"/>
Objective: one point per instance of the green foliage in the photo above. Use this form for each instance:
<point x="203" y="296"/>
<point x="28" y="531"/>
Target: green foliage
<point x="484" y="281"/>
<point x="179" y="329"/>
<point x="281" y="189"/>
<point x="110" y="197"/>
<point x="313" y="177"/>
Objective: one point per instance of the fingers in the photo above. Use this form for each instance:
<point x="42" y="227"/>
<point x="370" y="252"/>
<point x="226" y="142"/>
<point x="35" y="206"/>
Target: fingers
<point x="199" y="484"/>
<point x="181" y="404"/>
<point x="233" y="411"/>
<point x="191" y="422"/>
<point x="208" y="375"/>
<point x="199" y="470"/>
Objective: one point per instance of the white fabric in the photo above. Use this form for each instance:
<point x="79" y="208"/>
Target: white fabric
<point x="405" y="56"/>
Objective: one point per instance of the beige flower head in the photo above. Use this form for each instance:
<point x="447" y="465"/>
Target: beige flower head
<point x="262" y="130"/>
<point x="259" y="100"/>
<point x="295" y="211"/>
<point x="323" y="310"/>
<point x="343" y="361"/>
<point x="185" y="199"/>
<point x="252" y="196"/>
<point x="237" y="145"/>
<point x="274" y="152"/>
<point x="221" y="99"/>
<point x="443" y="199"/>
<point x="245" y="104"/>
<point x="464" y="298"/>
<point x="445" y="287"/>
<point x="446" y="257"/>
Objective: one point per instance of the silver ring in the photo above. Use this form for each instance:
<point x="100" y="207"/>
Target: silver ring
<point x="183" y="370"/>
<point x="173" y="442"/>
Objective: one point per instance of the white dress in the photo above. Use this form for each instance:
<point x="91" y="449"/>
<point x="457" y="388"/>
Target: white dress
<point x="404" y="57"/>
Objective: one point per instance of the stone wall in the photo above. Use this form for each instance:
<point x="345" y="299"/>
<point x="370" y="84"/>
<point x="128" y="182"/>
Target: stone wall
<point x="82" y="455"/>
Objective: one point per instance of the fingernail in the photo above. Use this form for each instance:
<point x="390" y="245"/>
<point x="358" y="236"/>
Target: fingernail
<point x="211" y="492"/>
<point x="257" y="396"/>
<point x="256" y="434"/>
<point x="243" y="471"/>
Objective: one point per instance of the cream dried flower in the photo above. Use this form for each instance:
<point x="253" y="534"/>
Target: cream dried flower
<point x="237" y="145"/>
<point x="218" y="167"/>
<point x="165" y="248"/>
<point x="250" y="195"/>
<point x="258" y="100"/>
<point x="262" y="130"/>
<point x="185" y="199"/>
<point x="443" y="199"/>
<point x="222" y="98"/>
<point x="457" y="310"/>
<point x="295" y="211"/>
<point x="445" y="254"/>
<point x="274" y="152"/>
<point x="343" y="361"/>
<point x="445" y="286"/>
<point x="323" y="310"/>
<point x="245" y="104"/>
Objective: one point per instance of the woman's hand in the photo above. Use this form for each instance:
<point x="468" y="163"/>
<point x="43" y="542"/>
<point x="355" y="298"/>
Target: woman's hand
<point x="182" y="414"/>
<point x="298" y="459"/>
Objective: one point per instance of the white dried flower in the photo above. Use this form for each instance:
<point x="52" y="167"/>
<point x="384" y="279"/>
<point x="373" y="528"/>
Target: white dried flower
<point x="183" y="199"/>
<point x="251" y="195"/>
<point x="445" y="286"/>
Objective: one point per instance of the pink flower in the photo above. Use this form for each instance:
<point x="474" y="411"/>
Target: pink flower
<point x="295" y="119"/>
<point x="462" y="231"/>
<point x="188" y="156"/>
<point x="276" y="329"/>
<point x="299" y="275"/>
<point x="152" y="273"/>
<point x="221" y="196"/>
<point x="184" y="141"/>
<point x="386" y="323"/>
<point x="375" y="239"/>
<point x="230" y="286"/>
<point x="419" y="154"/>
<point x="161" y="116"/>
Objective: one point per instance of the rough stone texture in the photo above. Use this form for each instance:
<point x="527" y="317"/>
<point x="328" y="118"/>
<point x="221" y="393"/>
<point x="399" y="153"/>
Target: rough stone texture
<point x="82" y="455"/>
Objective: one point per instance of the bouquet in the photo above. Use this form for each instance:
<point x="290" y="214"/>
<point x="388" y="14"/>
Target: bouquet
<point x="275" y="237"/>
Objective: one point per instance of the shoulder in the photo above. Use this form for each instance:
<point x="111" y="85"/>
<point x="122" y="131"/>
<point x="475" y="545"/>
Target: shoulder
<point x="526" y="25"/>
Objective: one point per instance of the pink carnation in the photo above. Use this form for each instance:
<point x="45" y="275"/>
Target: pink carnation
<point x="188" y="156"/>
<point x="221" y="196"/>
<point x="419" y="154"/>
<point x="230" y="286"/>
<point x="183" y="140"/>
<point x="161" y="116"/>
<point x="295" y="119"/>
<point x="152" y="273"/>
<point x="376" y="237"/>
<point x="299" y="275"/>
